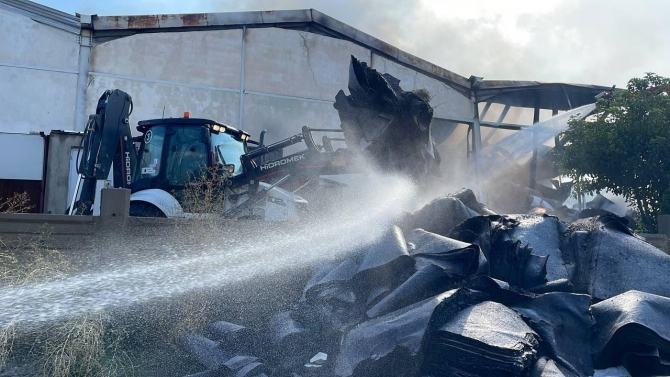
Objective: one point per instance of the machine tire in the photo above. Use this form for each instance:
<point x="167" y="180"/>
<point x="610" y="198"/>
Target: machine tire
<point x="144" y="209"/>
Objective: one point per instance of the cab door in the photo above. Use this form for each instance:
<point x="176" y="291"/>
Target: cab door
<point x="188" y="155"/>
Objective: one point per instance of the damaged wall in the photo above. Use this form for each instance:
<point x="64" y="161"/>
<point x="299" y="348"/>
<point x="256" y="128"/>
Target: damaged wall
<point x="255" y="78"/>
<point x="289" y="78"/>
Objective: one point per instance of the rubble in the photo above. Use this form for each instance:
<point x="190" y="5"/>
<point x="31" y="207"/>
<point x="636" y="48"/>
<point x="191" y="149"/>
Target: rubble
<point x="468" y="293"/>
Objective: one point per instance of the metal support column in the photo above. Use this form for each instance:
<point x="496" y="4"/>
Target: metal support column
<point x="82" y="75"/>
<point x="536" y="137"/>
<point x="240" y="124"/>
<point x="477" y="141"/>
<point x="486" y="110"/>
<point x="557" y="138"/>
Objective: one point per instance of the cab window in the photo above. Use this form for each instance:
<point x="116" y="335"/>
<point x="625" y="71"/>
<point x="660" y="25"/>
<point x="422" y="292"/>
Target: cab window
<point x="151" y="152"/>
<point x="188" y="155"/>
<point x="228" y="151"/>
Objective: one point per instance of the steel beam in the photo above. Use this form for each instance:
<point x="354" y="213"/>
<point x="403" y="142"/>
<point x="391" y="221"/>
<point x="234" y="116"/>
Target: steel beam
<point x="486" y="110"/>
<point x="502" y="116"/>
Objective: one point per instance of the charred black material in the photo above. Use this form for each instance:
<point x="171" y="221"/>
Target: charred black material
<point x="633" y="329"/>
<point x="426" y="282"/>
<point x="563" y="322"/>
<point x="220" y="362"/>
<point x="290" y="343"/>
<point x="546" y="368"/>
<point x="475" y="303"/>
<point x="389" y="345"/>
<point x="487" y="339"/>
<point x="514" y="264"/>
<point x="441" y="215"/>
<point x="543" y="234"/>
<point x="458" y="259"/>
<point x="386" y="263"/>
<point x="612" y="260"/>
<point x="233" y="337"/>
<point x="388" y="124"/>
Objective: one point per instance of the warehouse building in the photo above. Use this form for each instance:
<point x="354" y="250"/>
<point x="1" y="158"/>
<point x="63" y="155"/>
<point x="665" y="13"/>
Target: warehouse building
<point x="272" y="70"/>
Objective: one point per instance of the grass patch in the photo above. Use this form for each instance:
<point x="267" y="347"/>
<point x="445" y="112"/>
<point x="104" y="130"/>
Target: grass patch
<point x="81" y="346"/>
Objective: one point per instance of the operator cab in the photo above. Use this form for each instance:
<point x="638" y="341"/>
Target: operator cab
<point x="176" y="151"/>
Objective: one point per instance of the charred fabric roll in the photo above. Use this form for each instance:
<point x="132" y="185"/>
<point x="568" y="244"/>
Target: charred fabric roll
<point x="611" y="260"/>
<point x="456" y="290"/>
<point x="389" y="125"/>
<point x="633" y="329"/>
<point x="487" y="339"/>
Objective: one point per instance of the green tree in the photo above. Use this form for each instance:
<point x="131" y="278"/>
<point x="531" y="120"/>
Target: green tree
<point x="624" y="148"/>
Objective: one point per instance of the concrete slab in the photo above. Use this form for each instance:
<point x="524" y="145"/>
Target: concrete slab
<point x="211" y="58"/>
<point x="234" y="18"/>
<point x="182" y="20"/>
<point x="36" y="100"/>
<point x="377" y="44"/>
<point x="280" y="16"/>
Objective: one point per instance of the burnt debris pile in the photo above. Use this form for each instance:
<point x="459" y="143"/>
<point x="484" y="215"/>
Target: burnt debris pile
<point x="455" y="289"/>
<point x="386" y="124"/>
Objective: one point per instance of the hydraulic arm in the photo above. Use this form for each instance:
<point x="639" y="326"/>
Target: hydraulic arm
<point x="107" y="139"/>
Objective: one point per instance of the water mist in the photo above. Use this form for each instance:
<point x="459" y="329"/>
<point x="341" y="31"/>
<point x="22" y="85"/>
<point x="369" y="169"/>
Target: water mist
<point x="360" y="220"/>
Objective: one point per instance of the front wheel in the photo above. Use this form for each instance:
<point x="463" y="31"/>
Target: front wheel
<point x="144" y="209"/>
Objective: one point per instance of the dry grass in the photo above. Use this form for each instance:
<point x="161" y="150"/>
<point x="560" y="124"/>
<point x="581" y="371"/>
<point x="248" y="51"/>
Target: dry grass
<point x="189" y="315"/>
<point x="74" y="348"/>
<point x="204" y="198"/>
<point x="204" y="193"/>
<point x="80" y="347"/>
<point x="93" y="345"/>
<point x="29" y="258"/>
<point x="7" y="336"/>
<point x="84" y="346"/>
<point x="424" y="94"/>
<point x="18" y="203"/>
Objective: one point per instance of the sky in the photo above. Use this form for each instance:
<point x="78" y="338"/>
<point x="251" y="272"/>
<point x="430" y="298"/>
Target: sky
<point x="602" y="42"/>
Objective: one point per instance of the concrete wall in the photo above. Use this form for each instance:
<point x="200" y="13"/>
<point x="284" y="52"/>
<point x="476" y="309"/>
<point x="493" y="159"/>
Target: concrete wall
<point x="289" y="78"/>
<point x="260" y="78"/>
<point x="169" y="73"/>
<point x="38" y="75"/>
